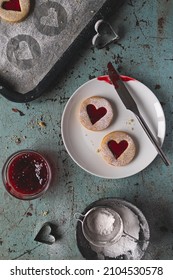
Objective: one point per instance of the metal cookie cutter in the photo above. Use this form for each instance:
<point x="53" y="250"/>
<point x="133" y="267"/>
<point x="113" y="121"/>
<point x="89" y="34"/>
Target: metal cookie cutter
<point x="48" y="233"/>
<point x="105" y="34"/>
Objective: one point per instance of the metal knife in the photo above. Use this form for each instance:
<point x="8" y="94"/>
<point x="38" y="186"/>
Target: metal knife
<point x="130" y="104"/>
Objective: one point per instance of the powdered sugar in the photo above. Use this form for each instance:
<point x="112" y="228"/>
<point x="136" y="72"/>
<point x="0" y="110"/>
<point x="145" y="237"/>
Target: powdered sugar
<point x="102" y="222"/>
<point x="126" y="245"/>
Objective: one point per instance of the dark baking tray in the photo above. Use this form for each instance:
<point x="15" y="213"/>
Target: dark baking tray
<point x="91" y="11"/>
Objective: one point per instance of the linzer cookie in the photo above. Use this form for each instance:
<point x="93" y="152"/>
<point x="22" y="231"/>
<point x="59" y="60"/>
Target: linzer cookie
<point x="96" y="113"/>
<point x="118" y="148"/>
<point x="14" y="10"/>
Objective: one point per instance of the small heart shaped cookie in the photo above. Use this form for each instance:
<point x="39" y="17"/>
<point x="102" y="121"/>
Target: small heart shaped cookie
<point x="14" y="10"/>
<point x="104" y="34"/>
<point x="118" y="148"/>
<point x="96" y="113"/>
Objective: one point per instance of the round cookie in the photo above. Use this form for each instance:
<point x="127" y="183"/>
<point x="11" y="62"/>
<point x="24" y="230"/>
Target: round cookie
<point x="118" y="148"/>
<point x="96" y="113"/>
<point x="14" y="10"/>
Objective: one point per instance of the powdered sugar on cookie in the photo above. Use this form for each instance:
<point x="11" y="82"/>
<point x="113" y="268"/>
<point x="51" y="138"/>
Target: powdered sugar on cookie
<point x="121" y="151"/>
<point x="96" y="113"/>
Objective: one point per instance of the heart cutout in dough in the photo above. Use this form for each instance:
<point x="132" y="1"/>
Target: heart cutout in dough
<point x="117" y="148"/>
<point x="95" y="114"/>
<point x="13" y="5"/>
<point x="105" y="34"/>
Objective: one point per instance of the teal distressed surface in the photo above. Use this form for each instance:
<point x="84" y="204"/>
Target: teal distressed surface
<point x="145" y="52"/>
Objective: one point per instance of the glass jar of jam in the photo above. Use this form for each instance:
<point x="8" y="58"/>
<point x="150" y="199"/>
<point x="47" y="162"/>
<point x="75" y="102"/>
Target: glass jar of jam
<point x="26" y="174"/>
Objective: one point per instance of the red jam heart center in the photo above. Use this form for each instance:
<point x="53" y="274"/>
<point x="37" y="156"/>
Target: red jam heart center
<point x="95" y="114"/>
<point x="117" y="148"/>
<point x="13" y="5"/>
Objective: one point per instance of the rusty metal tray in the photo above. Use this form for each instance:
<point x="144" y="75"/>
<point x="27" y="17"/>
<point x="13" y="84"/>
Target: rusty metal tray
<point x="35" y="52"/>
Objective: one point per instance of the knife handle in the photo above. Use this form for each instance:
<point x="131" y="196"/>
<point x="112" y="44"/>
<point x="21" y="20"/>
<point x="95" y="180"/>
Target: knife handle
<point x="153" y="139"/>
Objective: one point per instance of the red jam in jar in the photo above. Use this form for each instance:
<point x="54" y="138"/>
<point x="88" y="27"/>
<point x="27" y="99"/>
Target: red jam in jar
<point x="26" y="174"/>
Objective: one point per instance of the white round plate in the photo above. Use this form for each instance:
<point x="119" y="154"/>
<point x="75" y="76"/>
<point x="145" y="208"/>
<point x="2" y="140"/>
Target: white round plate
<point x="83" y="145"/>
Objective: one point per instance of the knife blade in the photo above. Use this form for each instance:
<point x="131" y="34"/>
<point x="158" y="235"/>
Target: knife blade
<point x="131" y="105"/>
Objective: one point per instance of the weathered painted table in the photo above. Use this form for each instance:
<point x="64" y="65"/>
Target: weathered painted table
<point x="145" y="51"/>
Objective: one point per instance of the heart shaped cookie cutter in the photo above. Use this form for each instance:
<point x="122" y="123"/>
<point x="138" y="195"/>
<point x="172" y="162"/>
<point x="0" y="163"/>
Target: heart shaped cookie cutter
<point x="105" y="34"/>
<point x="48" y="233"/>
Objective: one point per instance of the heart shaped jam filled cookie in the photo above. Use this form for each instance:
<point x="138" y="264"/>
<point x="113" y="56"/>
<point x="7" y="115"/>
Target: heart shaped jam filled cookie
<point x="96" y="113"/>
<point x="118" y="148"/>
<point x="14" y="10"/>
